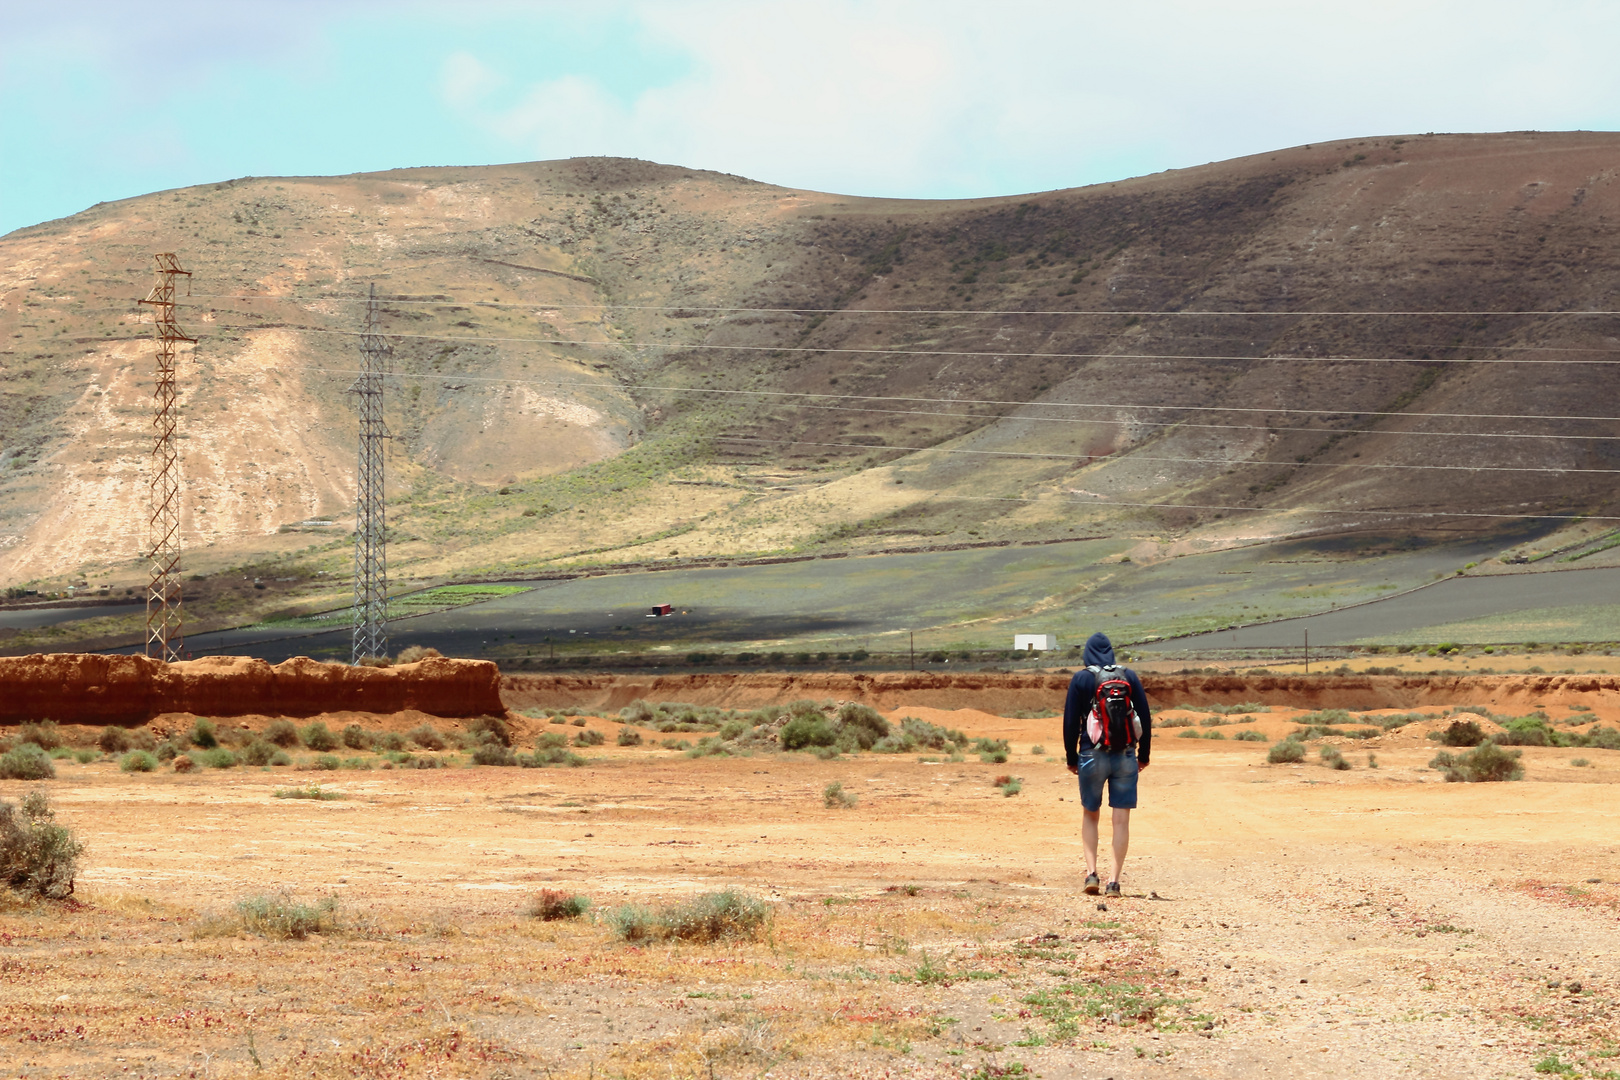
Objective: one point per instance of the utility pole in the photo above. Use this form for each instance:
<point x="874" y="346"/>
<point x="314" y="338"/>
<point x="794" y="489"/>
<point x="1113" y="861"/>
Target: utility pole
<point x="370" y="542"/>
<point x="164" y="637"/>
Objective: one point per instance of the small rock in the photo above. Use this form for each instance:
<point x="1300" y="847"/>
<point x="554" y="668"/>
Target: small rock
<point x="1573" y="988"/>
<point x="1175" y="971"/>
<point x="1594" y="881"/>
<point x="1553" y="984"/>
<point x="1303" y="981"/>
<point x="1102" y="907"/>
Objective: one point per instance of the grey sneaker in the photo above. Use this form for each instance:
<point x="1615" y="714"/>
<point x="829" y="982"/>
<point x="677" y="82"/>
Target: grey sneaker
<point x="1092" y="884"/>
<point x="1113" y="889"/>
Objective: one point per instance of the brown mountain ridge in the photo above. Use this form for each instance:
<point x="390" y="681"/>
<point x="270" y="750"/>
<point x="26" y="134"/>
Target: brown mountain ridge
<point x="612" y="360"/>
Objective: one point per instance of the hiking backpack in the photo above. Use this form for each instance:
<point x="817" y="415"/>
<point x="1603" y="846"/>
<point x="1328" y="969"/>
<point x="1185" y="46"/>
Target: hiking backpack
<point x="1112" y="723"/>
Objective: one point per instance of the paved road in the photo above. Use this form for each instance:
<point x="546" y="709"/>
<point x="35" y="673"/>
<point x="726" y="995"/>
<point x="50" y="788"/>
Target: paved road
<point x="34" y="618"/>
<point x="1448" y="601"/>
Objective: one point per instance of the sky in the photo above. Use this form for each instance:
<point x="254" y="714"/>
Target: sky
<point x="903" y="98"/>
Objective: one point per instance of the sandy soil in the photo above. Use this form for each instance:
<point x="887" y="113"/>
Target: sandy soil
<point x="1284" y="920"/>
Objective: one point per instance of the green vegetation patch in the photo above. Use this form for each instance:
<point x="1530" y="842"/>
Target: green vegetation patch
<point x="1063" y="1007"/>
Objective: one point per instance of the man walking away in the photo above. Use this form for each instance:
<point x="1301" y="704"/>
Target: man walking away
<point x="1107" y="735"/>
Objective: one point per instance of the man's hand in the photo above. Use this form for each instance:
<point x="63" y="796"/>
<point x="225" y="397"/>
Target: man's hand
<point x="1075" y="769"/>
<point x="1140" y="765"/>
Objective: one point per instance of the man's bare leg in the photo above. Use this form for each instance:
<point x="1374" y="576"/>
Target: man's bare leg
<point x="1088" y="837"/>
<point x="1122" y="838"/>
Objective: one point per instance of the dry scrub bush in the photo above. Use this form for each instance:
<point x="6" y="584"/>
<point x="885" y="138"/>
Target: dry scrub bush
<point x="37" y="856"/>
<point x="26" y="762"/>
<point x="1287" y="752"/>
<point x="410" y="654"/>
<point x="45" y="734"/>
<point x="629" y="736"/>
<point x="589" y="738"/>
<point x="355" y="738"/>
<point x="1485" y="763"/>
<point x="702" y="919"/>
<point x="183" y="764"/>
<point x="549" y="905"/>
<point x="493" y="753"/>
<point x="138" y="761"/>
<point x="491" y="729"/>
<point x="834" y="797"/>
<point x="258" y="752"/>
<point x="317" y="736"/>
<point x="113" y="740"/>
<point x="203" y="735"/>
<point x="427" y="737"/>
<point x="282" y="733"/>
<point x="277" y="915"/>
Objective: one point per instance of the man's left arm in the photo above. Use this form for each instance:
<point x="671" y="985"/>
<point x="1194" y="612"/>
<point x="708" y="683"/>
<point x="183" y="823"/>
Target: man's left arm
<point x="1144" y="746"/>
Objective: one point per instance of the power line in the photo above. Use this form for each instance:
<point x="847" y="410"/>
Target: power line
<point x="984" y="354"/>
<point x="1029" y="419"/>
<point x="1104" y="458"/>
<point x="1144" y="313"/>
<point x="1304" y="510"/>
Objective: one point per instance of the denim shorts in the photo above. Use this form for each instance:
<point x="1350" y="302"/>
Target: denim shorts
<point x="1118" y="768"/>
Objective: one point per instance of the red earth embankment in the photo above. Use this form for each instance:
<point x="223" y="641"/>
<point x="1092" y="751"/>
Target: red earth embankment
<point x="1010" y="693"/>
<point x="89" y="688"/>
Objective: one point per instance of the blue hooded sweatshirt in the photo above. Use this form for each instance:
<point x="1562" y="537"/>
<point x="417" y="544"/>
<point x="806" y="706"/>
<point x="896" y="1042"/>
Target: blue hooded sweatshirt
<point x="1083" y="688"/>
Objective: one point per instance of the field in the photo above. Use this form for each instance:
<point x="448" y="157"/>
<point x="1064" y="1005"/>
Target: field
<point x="1278" y="919"/>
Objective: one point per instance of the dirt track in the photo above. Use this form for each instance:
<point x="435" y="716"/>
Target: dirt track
<point x="1008" y="693"/>
<point x="1369" y="923"/>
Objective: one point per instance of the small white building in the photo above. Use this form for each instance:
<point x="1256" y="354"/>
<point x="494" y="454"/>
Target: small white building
<point x="1034" y="642"/>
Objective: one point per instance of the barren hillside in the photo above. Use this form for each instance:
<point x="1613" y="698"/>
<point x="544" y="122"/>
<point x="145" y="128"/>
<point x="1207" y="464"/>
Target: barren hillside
<point x="614" y="360"/>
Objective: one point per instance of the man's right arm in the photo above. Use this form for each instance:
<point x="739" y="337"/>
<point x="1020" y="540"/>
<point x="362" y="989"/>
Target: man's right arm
<point x="1074" y="715"/>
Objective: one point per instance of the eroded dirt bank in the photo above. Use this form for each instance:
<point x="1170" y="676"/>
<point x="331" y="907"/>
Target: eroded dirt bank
<point x="1007" y="693"/>
<point x="88" y="688"/>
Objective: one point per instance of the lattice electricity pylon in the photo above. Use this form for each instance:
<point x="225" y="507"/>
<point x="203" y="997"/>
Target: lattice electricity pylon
<point x="370" y="541"/>
<point x="164" y="639"/>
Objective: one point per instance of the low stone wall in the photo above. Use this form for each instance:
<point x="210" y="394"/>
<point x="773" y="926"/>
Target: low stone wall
<point x="90" y="688"/>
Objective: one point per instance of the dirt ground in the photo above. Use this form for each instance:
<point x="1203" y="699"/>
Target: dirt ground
<point x="1278" y="920"/>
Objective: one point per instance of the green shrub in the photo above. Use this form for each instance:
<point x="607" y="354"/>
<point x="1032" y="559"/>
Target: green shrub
<point x="113" y="740"/>
<point x="1486" y="763"/>
<point x="834" y="797"/>
<point x="280" y="758"/>
<point x="357" y="763"/>
<point x="45" y="734"/>
<point x="1287" y="752"/>
<point x="1532" y="730"/>
<point x="26" y="761"/>
<point x="1190" y="733"/>
<point x="632" y="922"/>
<point x="37" y="856"/>
<point x="217" y="758"/>
<point x="804" y="731"/>
<point x="1240" y="709"/>
<point x="325" y="763"/>
<point x="637" y="712"/>
<point x="589" y="738"/>
<point x="1249" y="736"/>
<point x="257" y="753"/>
<point x="166" y="750"/>
<point x="318" y="737"/>
<point x="702" y="919"/>
<point x="138" y="761"/>
<point x="491" y="729"/>
<point x="865" y="723"/>
<point x="282" y="733"/>
<point x="1580" y="762"/>
<point x="1332" y="758"/>
<point x="1037" y="750"/>
<point x="355" y="738"/>
<point x="427" y="737"/>
<point x="551" y="905"/>
<point x="202" y="734"/>
<point x="550" y="740"/>
<point x="1460" y="733"/>
<point x="85" y="757"/>
<point x="712" y="746"/>
<point x="388" y="742"/>
<point x="629" y="736"/>
<point x="314" y="791"/>
<point x="898" y="743"/>
<point x="493" y="753"/>
<point x="277" y="915"/>
<point x="1603" y="738"/>
<point x="1009" y="785"/>
<point x="551" y="755"/>
<point x="931" y="735"/>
